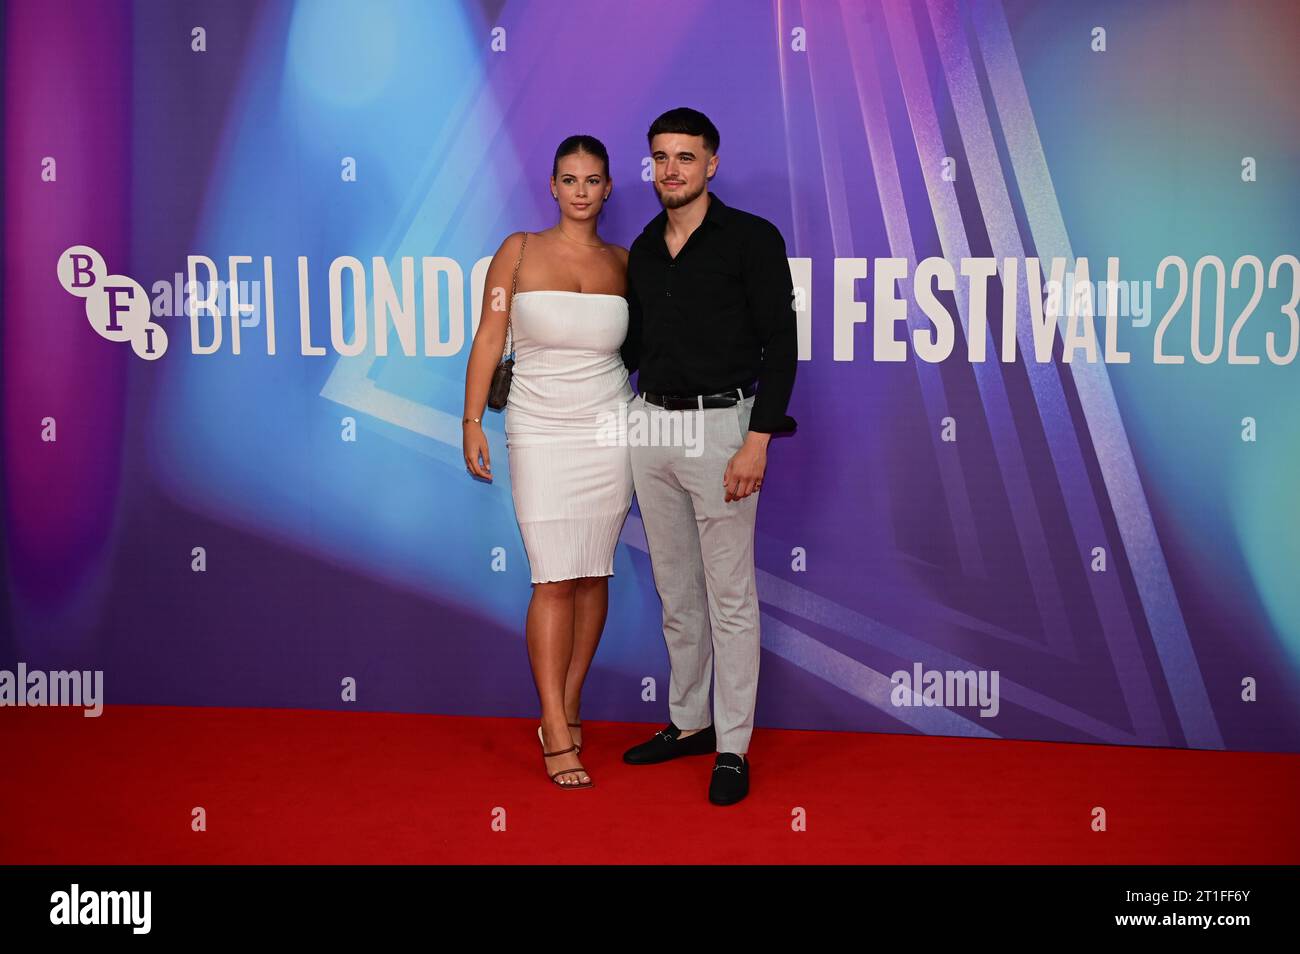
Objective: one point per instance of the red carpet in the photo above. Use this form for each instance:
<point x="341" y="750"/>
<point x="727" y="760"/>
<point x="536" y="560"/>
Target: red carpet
<point x="289" y="786"/>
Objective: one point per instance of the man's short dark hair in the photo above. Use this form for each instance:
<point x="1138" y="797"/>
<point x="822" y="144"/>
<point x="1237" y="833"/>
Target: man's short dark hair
<point x="690" y="122"/>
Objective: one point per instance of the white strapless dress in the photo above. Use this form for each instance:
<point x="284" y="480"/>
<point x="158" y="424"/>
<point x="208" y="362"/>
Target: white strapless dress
<point x="570" y="465"/>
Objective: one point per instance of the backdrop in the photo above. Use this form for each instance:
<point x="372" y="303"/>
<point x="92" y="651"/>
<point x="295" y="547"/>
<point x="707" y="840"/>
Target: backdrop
<point x="210" y="523"/>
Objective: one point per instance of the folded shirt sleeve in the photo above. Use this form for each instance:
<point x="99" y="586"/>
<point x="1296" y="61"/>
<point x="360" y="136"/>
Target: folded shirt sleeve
<point x="769" y="289"/>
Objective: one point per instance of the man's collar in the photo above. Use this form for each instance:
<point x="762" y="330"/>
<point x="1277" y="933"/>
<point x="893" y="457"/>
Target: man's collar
<point x="715" y="214"/>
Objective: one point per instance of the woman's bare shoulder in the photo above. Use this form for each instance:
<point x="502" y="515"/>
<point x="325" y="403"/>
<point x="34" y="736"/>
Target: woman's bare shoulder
<point x="512" y="246"/>
<point x="512" y="242"/>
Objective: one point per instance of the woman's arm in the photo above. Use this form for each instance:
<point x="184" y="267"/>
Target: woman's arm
<point x="485" y="352"/>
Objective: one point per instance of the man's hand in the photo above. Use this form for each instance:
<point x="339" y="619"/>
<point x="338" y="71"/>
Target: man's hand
<point x="744" y="473"/>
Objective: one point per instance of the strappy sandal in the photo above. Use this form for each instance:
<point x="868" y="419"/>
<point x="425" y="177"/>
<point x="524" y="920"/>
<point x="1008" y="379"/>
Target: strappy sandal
<point x="573" y="771"/>
<point x="572" y="725"/>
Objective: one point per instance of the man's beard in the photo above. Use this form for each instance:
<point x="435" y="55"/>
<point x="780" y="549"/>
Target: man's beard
<point x="675" y="200"/>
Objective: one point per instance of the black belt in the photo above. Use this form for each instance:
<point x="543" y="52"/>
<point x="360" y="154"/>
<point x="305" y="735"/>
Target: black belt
<point x="684" y="402"/>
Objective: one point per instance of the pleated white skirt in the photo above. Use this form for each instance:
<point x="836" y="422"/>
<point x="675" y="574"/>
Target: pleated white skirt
<point x="571" y="504"/>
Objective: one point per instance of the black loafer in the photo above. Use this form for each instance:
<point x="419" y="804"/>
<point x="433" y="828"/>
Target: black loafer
<point x="730" y="779"/>
<point x="666" y="745"/>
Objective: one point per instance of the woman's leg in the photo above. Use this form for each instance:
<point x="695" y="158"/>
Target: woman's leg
<point x="590" y="605"/>
<point x="550" y="636"/>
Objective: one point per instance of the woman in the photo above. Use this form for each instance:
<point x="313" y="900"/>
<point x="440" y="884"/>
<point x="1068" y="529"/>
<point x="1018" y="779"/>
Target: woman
<point x="572" y="484"/>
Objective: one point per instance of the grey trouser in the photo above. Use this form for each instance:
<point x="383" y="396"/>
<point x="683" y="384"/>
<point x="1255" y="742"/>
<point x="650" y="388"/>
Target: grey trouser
<point x="702" y="552"/>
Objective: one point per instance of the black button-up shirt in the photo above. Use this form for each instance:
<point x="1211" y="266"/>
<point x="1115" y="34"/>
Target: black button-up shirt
<point x="718" y="316"/>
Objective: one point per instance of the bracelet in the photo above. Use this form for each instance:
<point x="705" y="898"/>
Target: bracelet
<point x="466" y="420"/>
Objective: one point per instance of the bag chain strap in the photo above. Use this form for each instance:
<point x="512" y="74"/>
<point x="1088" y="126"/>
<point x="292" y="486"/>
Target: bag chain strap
<point x="513" y="282"/>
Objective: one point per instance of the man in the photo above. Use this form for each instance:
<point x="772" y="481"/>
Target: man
<point x="712" y="331"/>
